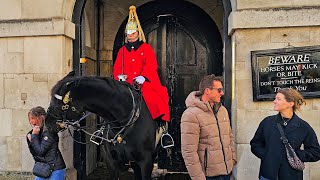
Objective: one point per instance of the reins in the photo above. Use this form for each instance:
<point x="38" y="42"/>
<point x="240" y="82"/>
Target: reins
<point x="98" y="134"/>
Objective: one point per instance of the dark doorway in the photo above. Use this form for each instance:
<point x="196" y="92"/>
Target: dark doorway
<point x="178" y="31"/>
<point x="188" y="46"/>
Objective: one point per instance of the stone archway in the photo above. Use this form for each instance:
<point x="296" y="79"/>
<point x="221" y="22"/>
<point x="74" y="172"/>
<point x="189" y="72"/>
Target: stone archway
<point x="78" y="48"/>
<point x="188" y="45"/>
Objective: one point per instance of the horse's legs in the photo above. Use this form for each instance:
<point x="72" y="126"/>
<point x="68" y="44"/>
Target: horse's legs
<point x="112" y="165"/>
<point x="146" y="167"/>
<point x="137" y="171"/>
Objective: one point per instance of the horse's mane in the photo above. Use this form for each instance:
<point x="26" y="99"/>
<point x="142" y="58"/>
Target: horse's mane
<point x="55" y="89"/>
<point x="68" y="80"/>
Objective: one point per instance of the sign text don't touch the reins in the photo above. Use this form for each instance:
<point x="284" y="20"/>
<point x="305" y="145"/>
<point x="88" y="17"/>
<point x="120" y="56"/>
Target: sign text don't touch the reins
<point x="289" y="67"/>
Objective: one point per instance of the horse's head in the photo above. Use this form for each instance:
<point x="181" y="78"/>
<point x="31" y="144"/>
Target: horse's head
<point x="63" y="108"/>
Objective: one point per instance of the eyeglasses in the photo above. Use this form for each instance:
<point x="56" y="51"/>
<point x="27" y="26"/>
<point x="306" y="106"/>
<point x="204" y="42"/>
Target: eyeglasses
<point x="218" y="89"/>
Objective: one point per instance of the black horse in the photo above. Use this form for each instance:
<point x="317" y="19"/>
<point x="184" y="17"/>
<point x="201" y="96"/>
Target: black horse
<point x="131" y="129"/>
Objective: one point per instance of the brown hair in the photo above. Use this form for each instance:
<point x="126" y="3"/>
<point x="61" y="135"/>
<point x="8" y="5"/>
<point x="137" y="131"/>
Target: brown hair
<point x="206" y="82"/>
<point x="292" y="95"/>
<point x="37" y="111"/>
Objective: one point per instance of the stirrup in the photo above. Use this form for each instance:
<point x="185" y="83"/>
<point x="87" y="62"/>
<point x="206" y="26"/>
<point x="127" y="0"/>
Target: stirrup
<point x="167" y="135"/>
<point x="96" y="137"/>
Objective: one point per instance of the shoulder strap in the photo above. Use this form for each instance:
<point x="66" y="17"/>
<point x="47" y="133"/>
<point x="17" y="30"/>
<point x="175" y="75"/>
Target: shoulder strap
<point x="285" y="141"/>
<point x="283" y="136"/>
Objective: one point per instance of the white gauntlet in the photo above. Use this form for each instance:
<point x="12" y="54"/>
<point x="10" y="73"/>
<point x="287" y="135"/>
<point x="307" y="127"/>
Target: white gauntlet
<point x="139" y="79"/>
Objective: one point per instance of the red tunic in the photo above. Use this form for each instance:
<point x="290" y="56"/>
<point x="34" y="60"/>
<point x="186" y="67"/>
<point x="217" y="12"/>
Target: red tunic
<point x="142" y="62"/>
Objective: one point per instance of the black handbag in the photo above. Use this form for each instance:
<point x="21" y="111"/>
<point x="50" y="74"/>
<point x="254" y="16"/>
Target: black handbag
<point x="292" y="157"/>
<point x="42" y="169"/>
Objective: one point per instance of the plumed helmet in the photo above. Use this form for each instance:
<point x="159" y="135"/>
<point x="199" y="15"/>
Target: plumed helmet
<point x="131" y="27"/>
<point x="133" y="24"/>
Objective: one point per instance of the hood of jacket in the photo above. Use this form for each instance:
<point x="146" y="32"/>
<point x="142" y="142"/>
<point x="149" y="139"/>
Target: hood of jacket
<point x="193" y="100"/>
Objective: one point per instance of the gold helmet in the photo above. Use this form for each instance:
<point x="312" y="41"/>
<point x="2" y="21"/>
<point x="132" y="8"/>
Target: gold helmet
<point x="133" y="24"/>
<point x="131" y="27"/>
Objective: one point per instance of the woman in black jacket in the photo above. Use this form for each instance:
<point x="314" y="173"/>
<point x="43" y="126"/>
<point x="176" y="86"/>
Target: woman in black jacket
<point x="43" y="144"/>
<point x="267" y="145"/>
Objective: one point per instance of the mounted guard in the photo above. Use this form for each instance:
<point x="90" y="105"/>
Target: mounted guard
<point x="136" y="64"/>
<point x="128" y="132"/>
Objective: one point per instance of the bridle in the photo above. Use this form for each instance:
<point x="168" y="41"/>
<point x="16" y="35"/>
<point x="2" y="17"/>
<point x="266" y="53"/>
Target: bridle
<point x="63" y="123"/>
<point x="67" y="105"/>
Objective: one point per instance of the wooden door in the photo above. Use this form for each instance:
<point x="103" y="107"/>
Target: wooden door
<point x="183" y="60"/>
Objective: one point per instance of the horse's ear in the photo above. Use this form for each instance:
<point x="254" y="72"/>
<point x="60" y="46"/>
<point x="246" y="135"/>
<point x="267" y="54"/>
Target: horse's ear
<point x="71" y="73"/>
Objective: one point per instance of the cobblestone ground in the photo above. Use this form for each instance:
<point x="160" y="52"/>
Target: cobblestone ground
<point x="16" y="176"/>
<point x="101" y="174"/>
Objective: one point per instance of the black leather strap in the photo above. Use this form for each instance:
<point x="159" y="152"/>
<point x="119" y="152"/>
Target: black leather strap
<point x="285" y="140"/>
<point x="283" y="136"/>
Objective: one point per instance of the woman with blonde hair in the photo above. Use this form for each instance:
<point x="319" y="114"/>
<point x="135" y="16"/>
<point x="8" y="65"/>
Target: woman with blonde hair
<point x="268" y="142"/>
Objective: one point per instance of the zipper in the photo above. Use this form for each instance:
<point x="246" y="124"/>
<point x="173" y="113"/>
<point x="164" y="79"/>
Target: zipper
<point x="205" y="160"/>
<point x="224" y="157"/>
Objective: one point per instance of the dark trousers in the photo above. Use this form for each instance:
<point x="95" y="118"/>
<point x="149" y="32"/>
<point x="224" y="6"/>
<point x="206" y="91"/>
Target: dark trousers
<point x="222" y="177"/>
<point x="263" y="178"/>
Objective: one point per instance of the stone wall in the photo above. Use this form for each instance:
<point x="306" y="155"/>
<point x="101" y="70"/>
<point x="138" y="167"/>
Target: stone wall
<point x="261" y="25"/>
<point x="248" y="114"/>
<point x="261" y="4"/>
<point x="30" y="67"/>
<point x="35" y="52"/>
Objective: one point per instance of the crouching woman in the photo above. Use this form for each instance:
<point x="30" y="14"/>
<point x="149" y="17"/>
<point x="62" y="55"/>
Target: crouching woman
<point x="43" y="145"/>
